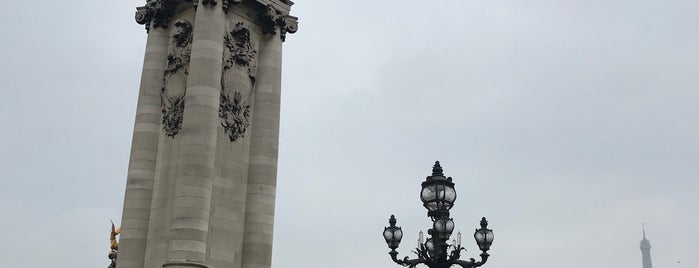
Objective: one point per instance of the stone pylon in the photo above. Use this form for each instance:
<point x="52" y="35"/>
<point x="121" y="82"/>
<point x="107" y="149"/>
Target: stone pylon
<point x="201" y="183"/>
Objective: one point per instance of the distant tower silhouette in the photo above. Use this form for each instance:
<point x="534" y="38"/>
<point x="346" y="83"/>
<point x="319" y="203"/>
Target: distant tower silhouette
<point x="645" y="250"/>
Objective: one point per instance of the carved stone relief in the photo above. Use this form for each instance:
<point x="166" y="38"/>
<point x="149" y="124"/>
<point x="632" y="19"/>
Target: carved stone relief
<point x="173" y="110"/>
<point x="271" y="19"/>
<point x="239" y="59"/>
<point x="235" y="114"/>
<point x="175" y="80"/>
<point x="180" y="49"/>
<point x="159" y="12"/>
<point x="240" y="51"/>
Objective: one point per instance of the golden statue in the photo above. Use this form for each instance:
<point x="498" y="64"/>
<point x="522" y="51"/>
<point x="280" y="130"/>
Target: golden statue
<point x="112" y="237"/>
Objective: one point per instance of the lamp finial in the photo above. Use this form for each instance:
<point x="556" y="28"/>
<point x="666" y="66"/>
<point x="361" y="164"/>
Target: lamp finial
<point x="437" y="169"/>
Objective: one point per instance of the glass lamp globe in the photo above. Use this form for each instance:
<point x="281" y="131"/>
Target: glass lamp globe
<point x="484" y="236"/>
<point x="392" y="234"/>
<point x="430" y="246"/>
<point x="437" y="194"/>
<point x="444" y="226"/>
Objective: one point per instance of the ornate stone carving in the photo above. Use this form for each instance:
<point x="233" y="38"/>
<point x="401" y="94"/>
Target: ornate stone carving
<point x="227" y="3"/>
<point x="172" y="96"/>
<point x="159" y="12"/>
<point x="290" y="25"/>
<point x="209" y="2"/>
<point x="271" y="19"/>
<point x="240" y="51"/>
<point x="173" y="110"/>
<point x="180" y="50"/>
<point x="235" y="114"/>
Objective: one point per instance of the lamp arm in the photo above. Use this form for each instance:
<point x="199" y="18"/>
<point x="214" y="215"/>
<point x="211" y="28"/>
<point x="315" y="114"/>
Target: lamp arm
<point x="405" y="262"/>
<point x="472" y="263"/>
<point x="456" y="253"/>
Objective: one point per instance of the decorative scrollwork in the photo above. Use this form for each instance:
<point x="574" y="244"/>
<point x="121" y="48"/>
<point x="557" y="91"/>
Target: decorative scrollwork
<point x="407" y="262"/>
<point x="240" y="51"/>
<point x="290" y="25"/>
<point x="159" y="12"/>
<point x="235" y="114"/>
<point x="271" y="19"/>
<point x="471" y="263"/>
<point x="424" y="257"/>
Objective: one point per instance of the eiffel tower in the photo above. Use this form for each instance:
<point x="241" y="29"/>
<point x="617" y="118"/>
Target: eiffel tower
<point x="645" y="251"/>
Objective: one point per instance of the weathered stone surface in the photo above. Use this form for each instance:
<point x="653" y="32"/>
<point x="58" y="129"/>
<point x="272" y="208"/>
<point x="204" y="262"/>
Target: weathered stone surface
<point x="201" y="183"/>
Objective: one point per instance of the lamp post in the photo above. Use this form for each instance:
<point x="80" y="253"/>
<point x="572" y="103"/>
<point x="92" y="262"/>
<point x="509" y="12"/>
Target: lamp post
<point x="438" y="196"/>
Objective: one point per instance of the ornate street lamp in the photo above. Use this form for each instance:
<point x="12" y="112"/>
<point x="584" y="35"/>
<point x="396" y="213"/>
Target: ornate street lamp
<point x="392" y="234"/>
<point x="438" y="196"/>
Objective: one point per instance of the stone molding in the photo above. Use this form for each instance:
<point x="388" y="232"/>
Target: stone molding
<point x="225" y="4"/>
<point x="186" y="263"/>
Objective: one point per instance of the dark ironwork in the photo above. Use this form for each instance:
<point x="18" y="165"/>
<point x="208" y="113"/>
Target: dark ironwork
<point x="438" y="196"/>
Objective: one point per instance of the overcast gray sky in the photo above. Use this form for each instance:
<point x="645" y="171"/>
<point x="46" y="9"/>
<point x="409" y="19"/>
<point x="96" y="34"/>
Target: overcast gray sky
<point x="566" y="123"/>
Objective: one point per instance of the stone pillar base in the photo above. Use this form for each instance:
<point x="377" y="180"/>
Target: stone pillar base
<point x="184" y="264"/>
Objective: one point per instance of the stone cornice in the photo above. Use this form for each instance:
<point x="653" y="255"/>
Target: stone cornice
<point x="284" y="5"/>
<point x="225" y="4"/>
<point x="275" y="16"/>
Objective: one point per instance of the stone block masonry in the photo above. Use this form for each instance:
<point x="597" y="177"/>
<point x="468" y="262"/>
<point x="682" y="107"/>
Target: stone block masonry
<point x="201" y="184"/>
